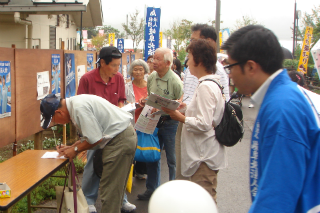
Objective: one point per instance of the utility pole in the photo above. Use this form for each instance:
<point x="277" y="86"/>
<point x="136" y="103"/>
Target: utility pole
<point x="81" y="31"/>
<point x="294" y="28"/>
<point x="128" y="26"/>
<point x="218" y="5"/>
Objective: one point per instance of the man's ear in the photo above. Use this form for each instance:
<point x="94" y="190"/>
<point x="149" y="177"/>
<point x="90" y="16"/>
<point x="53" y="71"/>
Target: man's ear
<point x="251" y="67"/>
<point x="168" y="64"/>
<point x="58" y="113"/>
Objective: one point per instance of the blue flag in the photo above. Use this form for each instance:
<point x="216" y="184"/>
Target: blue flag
<point x="152" y="31"/>
<point x="120" y="45"/>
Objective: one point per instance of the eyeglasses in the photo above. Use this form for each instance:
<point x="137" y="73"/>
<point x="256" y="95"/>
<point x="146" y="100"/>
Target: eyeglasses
<point x="227" y="67"/>
<point x="150" y="61"/>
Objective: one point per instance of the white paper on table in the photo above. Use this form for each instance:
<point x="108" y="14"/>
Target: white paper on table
<point x="147" y="122"/>
<point x="157" y="101"/>
<point x="43" y="84"/>
<point x="52" y="155"/>
<point x="129" y="107"/>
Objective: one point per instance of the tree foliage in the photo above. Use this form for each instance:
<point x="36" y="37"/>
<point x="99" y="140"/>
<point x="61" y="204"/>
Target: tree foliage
<point x="180" y="31"/>
<point x="245" y="21"/>
<point x="135" y="28"/>
<point x="99" y="41"/>
<point x="108" y="29"/>
<point x="313" y="20"/>
<point x="94" y="31"/>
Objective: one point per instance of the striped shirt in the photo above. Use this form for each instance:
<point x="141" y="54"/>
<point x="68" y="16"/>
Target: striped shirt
<point x="191" y="82"/>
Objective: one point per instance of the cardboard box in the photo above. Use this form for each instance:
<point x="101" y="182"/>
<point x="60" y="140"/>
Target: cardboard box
<point x="5" y="190"/>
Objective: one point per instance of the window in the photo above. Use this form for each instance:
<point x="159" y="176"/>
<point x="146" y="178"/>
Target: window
<point x="52" y="37"/>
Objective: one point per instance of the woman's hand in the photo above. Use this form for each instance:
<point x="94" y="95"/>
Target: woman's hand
<point x="174" y="114"/>
<point x="182" y="105"/>
<point x="142" y="101"/>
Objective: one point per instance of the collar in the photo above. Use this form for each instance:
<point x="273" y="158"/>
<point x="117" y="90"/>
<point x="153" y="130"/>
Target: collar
<point x="258" y="96"/>
<point x="98" y="78"/>
<point x="165" y="77"/>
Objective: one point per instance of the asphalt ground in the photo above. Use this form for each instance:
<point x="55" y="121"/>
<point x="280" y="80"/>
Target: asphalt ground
<point x="233" y="193"/>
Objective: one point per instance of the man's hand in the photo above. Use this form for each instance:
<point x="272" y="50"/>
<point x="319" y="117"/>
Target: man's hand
<point x="62" y="148"/>
<point x="68" y="153"/>
<point x="175" y="114"/>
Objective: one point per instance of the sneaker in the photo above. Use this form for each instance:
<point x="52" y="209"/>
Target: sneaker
<point x="251" y="106"/>
<point x="92" y="209"/>
<point x="145" y="196"/>
<point x="128" y="207"/>
<point x="141" y="176"/>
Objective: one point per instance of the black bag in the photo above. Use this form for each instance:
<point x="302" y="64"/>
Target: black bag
<point x="230" y="129"/>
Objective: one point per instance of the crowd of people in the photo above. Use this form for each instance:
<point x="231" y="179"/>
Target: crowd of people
<point x="284" y="157"/>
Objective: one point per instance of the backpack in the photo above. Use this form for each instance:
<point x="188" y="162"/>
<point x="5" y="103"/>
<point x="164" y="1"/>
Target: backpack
<point x="230" y="130"/>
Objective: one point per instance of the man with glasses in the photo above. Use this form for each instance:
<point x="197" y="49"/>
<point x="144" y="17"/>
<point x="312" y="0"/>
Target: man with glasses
<point x="166" y="83"/>
<point x="285" y="146"/>
<point x="108" y="83"/>
<point x="207" y="32"/>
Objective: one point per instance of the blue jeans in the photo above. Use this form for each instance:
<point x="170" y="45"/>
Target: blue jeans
<point x="90" y="181"/>
<point x="166" y="134"/>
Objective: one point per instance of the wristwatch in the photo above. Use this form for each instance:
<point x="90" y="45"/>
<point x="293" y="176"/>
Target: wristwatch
<point x="76" y="149"/>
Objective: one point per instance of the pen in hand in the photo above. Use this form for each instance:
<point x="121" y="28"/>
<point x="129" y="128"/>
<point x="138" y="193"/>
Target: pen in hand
<point x="185" y="99"/>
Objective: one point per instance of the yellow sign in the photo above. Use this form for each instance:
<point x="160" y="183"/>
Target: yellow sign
<point x="160" y="39"/>
<point x="220" y="41"/>
<point x="111" y="39"/>
<point x="305" y="51"/>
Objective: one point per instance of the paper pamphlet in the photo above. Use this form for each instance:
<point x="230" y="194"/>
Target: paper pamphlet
<point x="43" y="84"/>
<point x="157" y="101"/>
<point x="52" y="155"/>
<point x="129" y="107"/>
<point x="81" y="71"/>
<point x="147" y="122"/>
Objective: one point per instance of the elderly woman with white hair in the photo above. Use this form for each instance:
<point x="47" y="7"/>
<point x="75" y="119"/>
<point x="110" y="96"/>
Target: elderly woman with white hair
<point x="135" y="90"/>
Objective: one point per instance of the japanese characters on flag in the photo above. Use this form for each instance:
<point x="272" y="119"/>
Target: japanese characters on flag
<point x="120" y="44"/>
<point x="152" y="30"/>
<point x="304" y="57"/>
<point x="111" y="39"/>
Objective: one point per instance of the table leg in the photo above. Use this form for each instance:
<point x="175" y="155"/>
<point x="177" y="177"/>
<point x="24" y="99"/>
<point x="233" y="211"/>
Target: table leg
<point x="29" y="202"/>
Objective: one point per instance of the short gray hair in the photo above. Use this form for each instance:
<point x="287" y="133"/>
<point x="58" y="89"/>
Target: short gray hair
<point x="167" y="54"/>
<point x="138" y="62"/>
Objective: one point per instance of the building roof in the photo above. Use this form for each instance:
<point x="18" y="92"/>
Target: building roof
<point x="91" y="9"/>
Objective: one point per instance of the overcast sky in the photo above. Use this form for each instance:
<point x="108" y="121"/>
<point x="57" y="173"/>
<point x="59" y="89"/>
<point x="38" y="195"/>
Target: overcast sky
<point x="276" y="15"/>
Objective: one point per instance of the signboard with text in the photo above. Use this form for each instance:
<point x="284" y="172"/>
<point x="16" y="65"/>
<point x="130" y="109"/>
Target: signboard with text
<point x="152" y="31"/>
<point x="304" y="57"/>
<point x="111" y="39"/>
<point x="120" y="44"/>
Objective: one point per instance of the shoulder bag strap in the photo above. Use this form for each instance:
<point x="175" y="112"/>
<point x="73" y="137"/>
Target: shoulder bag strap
<point x="221" y="87"/>
<point x="74" y="184"/>
<point x="65" y="181"/>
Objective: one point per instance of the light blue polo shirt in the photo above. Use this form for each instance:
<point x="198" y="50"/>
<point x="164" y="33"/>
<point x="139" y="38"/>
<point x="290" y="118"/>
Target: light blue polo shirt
<point x="96" y="118"/>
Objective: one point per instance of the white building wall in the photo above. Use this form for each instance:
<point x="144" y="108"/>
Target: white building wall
<point x="41" y="25"/>
<point x="11" y="33"/>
